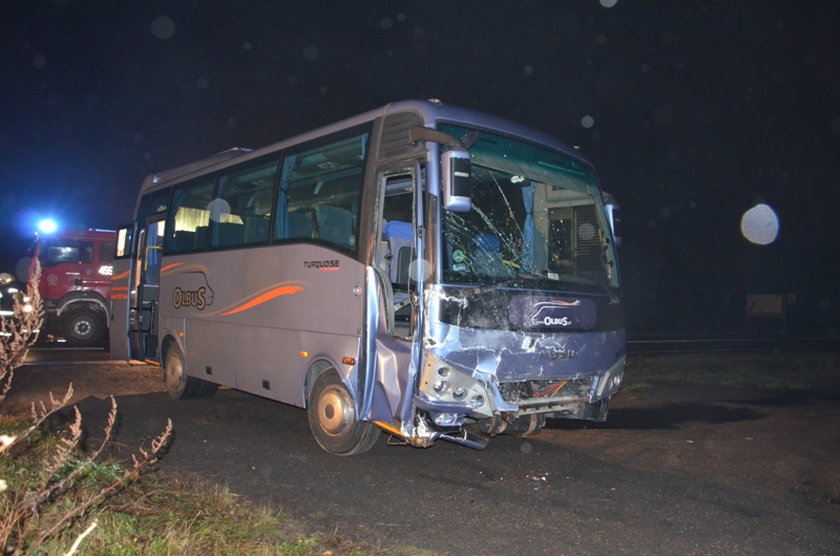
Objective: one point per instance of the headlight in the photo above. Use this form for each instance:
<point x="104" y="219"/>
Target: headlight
<point x="610" y="382"/>
<point x="441" y="383"/>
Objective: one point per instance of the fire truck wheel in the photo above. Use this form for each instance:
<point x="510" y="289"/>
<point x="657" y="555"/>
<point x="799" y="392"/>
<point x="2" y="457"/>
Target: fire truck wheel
<point x="84" y="327"/>
<point x="332" y="418"/>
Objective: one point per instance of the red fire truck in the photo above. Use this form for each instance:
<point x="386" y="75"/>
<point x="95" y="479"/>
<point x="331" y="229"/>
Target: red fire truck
<point x="76" y="284"/>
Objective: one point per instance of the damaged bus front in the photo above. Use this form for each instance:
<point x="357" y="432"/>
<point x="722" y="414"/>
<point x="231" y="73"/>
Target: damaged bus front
<point x="514" y="309"/>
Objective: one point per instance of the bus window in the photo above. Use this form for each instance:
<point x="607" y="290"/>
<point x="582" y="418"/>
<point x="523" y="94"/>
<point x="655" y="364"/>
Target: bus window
<point x="320" y="192"/>
<point x="242" y="212"/>
<point x="191" y="217"/>
<point x="160" y="202"/>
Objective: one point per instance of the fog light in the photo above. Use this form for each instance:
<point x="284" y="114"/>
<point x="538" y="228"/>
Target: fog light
<point x="459" y="393"/>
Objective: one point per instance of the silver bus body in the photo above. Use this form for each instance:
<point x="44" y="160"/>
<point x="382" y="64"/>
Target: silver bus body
<point x="324" y="272"/>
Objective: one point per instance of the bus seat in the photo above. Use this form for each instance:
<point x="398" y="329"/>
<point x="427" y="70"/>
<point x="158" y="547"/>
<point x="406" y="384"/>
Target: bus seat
<point x="200" y="237"/>
<point x="184" y="240"/>
<point x="300" y="224"/>
<point x="487" y="243"/>
<point x="256" y="229"/>
<point x="334" y="224"/>
<point x="230" y="233"/>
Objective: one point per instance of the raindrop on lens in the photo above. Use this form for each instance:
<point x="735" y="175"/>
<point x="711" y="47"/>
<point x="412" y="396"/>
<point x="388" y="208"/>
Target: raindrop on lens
<point x="586" y="231"/>
<point x="311" y="53"/>
<point x="163" y="27"/>
<point x="218" y="208"/>
<point x="760" y="224"/>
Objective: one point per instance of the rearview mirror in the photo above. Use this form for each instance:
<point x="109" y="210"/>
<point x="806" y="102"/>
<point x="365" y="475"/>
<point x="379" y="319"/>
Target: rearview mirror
<point x="614" y="216"/>
<point x="456" y="184"/>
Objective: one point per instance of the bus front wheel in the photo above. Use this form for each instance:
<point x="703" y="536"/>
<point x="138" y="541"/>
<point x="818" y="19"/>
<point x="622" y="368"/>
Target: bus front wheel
<point x="332" y="418"/>
<point x="179" y="385"/>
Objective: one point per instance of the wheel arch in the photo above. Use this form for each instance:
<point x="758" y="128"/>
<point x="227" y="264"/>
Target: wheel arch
<point x="73" y="300"/>
<point x="165" y="344"/>
<point x="316" y="369"/>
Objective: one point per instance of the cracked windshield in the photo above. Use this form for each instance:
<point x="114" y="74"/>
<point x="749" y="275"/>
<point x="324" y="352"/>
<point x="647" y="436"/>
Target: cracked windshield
<point x="536" y="221"/>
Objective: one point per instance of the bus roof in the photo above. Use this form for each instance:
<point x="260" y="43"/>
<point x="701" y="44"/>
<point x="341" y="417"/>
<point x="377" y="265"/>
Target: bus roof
<point x="431" y="111"/>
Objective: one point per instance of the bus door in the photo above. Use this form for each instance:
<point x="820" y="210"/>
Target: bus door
<point x="121" y="292"/>
<point x="144" y="311"/>
<point x="395" y="344"/>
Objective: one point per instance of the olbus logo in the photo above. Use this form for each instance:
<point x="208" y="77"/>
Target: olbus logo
<point x="200" y="295"/>
<point x="190" y="298"/>
<point x="550" y="313"/>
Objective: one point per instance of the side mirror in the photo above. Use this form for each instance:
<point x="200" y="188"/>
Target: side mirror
<point x="123" y="243"/>
<point x="614" y="216"/>
<point x="456" y="183"/>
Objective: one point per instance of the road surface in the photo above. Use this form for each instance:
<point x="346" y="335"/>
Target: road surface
<point x="685" y="472"/>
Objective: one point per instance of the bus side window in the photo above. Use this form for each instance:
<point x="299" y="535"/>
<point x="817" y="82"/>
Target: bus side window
<point x="335" y="224"/>
<point x="242" y="211"/>
<point x="320" y="192"/>
<point x="190" y="216"/>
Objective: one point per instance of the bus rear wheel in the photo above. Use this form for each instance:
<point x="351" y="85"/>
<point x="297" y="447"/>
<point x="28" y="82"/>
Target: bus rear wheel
<point x="332" y="418"/>
<point x="84" y="327"/>
<point x="179" y="385"/>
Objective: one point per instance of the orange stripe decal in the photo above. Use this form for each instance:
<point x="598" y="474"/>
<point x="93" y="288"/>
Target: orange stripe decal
<point x="267" y="296"/>
<point x="169" y="267"/>
<point x="119" y="276"/>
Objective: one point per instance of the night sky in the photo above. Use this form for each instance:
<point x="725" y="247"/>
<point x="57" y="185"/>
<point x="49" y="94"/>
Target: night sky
<point x="692" y="112"/>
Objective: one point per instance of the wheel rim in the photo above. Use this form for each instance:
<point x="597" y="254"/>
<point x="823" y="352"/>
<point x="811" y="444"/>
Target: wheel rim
<point x="335" y="411"/>
<point x="174" y="372"/>
<point x="83" y="329"/>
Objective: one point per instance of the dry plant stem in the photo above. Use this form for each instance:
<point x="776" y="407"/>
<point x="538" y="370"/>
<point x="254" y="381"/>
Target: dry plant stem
<point x="146" y="459"/>
<point x="80" y="538"/>
<point x="20" y="331"/>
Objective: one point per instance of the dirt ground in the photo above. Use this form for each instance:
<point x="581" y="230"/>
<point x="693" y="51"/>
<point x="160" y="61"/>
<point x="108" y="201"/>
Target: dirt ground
<point x="776" y="440"/>
<point x="34" y="383"/>
<point x="784" y="441"/>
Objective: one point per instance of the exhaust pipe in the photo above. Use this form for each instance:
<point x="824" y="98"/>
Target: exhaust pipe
<point x="467" y="439"/>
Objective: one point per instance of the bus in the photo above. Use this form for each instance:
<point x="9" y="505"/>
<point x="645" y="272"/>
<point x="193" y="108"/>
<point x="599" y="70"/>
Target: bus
<point x="420" y="269"/>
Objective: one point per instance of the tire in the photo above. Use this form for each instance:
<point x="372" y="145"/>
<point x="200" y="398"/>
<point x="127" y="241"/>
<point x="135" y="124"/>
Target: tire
<point x="332" y="418"/>
<point x="84" y="327"/>
<point x="178" y="384"/>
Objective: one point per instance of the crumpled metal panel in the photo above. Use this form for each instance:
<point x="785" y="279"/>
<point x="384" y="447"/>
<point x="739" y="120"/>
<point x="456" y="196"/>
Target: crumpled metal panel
<point x="519" y="356"/>
<point x="388" y="381"/>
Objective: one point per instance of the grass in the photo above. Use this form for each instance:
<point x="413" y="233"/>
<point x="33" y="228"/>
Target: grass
<point x="162" y="515"/>
<point x="818" y="371"/>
